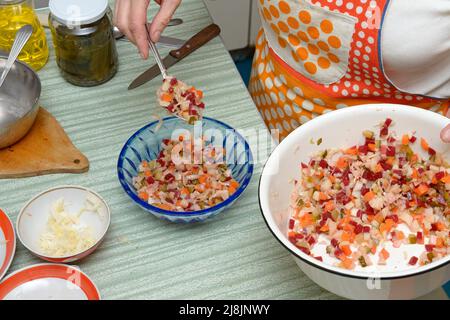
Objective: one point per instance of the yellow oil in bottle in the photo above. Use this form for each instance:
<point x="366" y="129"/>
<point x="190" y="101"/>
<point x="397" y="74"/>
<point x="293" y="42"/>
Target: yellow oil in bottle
<point x="14" y="15"/>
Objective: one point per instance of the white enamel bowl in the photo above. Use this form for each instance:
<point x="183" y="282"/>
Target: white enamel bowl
<point x="338" y="129"/>
<point x="48" y="282"/>
<point x="32" y="219"/>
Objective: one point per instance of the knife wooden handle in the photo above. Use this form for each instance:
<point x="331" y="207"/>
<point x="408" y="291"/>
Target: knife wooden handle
<point x="202" y="37"/>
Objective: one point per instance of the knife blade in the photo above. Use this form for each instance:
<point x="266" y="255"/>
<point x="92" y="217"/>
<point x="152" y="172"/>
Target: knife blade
<point x="174" y="56"/>
<point x="164" y="41"/>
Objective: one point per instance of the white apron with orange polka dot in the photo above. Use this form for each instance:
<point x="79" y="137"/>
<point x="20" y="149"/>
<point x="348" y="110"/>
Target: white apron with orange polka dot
<point x="315" y="56"/>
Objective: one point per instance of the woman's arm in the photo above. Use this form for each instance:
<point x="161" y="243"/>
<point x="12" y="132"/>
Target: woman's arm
<point x="130" y="16"/>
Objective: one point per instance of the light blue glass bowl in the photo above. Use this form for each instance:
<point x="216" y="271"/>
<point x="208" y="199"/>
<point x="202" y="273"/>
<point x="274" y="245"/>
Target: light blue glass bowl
<point x="145" y="144"/>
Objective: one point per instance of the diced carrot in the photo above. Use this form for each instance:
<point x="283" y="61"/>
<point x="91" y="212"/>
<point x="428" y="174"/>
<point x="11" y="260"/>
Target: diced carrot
<point x="405" y="140"/>
<point x="351" y="151"/>
<point x="203" y="178"/>
<point x="325" y="228"/>
<point x="384" y="253"/>
<point x="199" y="94"/>
<point x="143" y="196"/>
<point x="306" y="220"/>
<point x="347" y="263"/>
<point x="421" y="190"/>
<point x="424" y="144"/>
<point x="440" y="242"/>
<point x="329" y="205"/>
<point x="415" y="174"/>
<point x="166" y="97"/>
<point x="390" y="160"/>
<point x="148" y="173"/>
<point x="440" y="226"/>
<point x="145" y="164"/>
<point x="346" y="236"/>
<point x="373" y="250"/>
<point x="414" y="158"/>
<point x="323" y="196"/>
<point x="378" y="168"/>
<point x="400" y="235"/>
<point x="164" y="206"/>
<point x="372" y="147"/>
<point x="346" y="249"/>
<point x="234" y="183"/>
<point x="369" y="196"/>
<point x="342" y="163"/>
<point x="185" y="191"/>
<point x="231" y="190"/>
<point x="446" y="179"/>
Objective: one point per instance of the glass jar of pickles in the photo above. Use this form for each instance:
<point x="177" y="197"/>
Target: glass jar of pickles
<point x="85" y="48"/>
<point x="14" y="14"/>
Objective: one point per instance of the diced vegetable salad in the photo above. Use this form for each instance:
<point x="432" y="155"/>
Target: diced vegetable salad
<point x="181" y="100"/>
<point x="188" y="175"/>
<point x="359" y="199"/>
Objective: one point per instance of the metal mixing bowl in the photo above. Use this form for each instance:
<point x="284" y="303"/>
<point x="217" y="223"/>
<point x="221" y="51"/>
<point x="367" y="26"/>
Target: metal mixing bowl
<point x="19" y="102"/>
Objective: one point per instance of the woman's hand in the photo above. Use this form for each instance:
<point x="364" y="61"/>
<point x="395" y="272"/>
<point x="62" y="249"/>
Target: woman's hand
<point x="130" y="16"/>
<point x="445" y="134"/>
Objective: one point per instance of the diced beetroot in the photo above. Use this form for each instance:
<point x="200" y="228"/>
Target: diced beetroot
<point x="358" y="229"/>
<point x="305" y="250"/>
<point x="201" y="105"/>
<point x="312" y="163"/>
<point x="439" y="175"/>
<point x="429" y="247"/>
<point x="384" y="131"/>
<point x="161" y="162"/>
<point x="299" y="236"/>
<point x="334" y="242"/>
<point x="359" y="214"/>
<point x="366" y="229"/>
<point x="150" y="180"/>
<point x="364" y="190"/>
<point x="341" y="197"/>
<point x="193" y="112"/>
<point x="353" y="223"/>
<point x="170" y="90"/>
<point x="385" y="165"/>
<point x="363" y="149"/>
<point x="291" y="223"/>
<point x="304" y="165"/>
<point x="388" y="122"/>
<point x="431" y="151"/>
<point x="169" y="177"/>
<point x="311" y="241"/>
<point x="323" y="164"/>
<point x="391" y="139"/>
<point x="319" y="258"/>
<point x="173" y="82"/>
<point x="346" y="178"/>
<point x="419" y="237"/>
<point x="369" y="210"/>
<point x="413" y="261"/>
<point x="412" y="139"/>
<point x="390" y="152"/>
<point x="434" y="227"/>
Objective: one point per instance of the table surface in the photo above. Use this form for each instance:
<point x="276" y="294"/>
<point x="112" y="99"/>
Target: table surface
<point x="233" y="256"/>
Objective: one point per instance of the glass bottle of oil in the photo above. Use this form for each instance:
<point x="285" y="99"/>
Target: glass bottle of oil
<point x="13" y="15"/>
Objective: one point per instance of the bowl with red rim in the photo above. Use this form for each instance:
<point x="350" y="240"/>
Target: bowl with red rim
<point x="33" y="218"/>
<point x="48" y="282"/>
<point x="7" y="243"/>
<point x="342" y="129"/>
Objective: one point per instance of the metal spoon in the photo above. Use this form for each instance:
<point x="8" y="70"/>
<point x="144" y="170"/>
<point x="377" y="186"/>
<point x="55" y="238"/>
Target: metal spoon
<point x="21" y="39"/>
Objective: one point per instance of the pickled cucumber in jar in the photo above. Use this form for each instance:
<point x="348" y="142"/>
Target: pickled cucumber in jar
<point x="85" y="48"/>
<point x="14" y="14"/>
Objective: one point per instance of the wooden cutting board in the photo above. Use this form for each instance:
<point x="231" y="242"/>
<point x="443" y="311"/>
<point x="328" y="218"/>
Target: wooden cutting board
<point x="46" y="149"/>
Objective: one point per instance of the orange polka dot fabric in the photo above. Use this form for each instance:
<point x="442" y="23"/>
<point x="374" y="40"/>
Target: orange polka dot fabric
<point x="312" y="58"/>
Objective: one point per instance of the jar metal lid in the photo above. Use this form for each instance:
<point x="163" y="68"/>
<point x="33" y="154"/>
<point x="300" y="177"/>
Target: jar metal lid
<point x="78" y="12"/>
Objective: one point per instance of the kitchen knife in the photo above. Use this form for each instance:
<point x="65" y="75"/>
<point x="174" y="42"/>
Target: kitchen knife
<point x="174" y="56"/>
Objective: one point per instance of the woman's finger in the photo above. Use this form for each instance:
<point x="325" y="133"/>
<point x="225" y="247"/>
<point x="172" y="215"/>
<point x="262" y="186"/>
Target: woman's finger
<point x="445" y="134"/>
<point x="162" y="18"/>
<point x="122" y="12"/>
<point x="138" y="25"/>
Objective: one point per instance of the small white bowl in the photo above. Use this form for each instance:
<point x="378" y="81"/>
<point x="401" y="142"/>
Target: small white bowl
<point x="32" y="219"/>
<point x="338" y="129"/>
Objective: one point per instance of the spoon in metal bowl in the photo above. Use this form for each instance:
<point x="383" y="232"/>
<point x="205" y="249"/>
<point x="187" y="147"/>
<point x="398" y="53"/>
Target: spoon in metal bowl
<point x="20" y="40"/>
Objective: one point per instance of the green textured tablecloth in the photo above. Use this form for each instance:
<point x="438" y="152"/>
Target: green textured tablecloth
<point x="233" y="256"/>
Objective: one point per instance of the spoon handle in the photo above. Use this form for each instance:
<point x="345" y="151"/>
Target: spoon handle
<point x="157" y="56"/>
<point x="21" y="39"/>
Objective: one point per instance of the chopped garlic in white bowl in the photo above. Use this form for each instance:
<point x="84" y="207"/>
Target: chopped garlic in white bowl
<point x="63" y="224"/>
